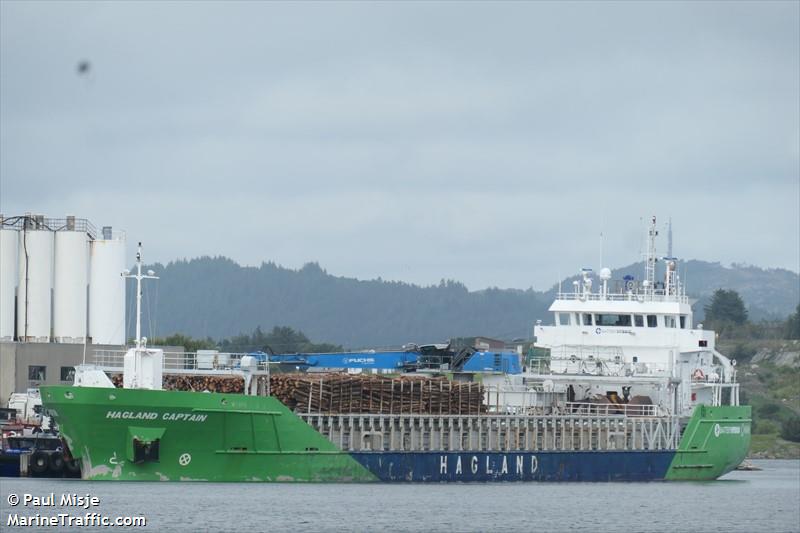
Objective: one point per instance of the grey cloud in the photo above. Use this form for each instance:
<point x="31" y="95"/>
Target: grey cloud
<point x="489" y="143"/>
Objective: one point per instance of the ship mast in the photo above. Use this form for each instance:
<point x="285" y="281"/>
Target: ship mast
<point x="650" y="258"/>
<point x="669" y="238"/>
<point x="139" y="277"/>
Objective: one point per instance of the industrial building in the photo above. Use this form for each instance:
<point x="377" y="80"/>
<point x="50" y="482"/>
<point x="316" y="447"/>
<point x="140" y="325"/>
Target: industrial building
<point x="62" y="295"/>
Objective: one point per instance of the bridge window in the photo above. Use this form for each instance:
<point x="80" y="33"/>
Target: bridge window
<point x="683" y="321"/>
<point x="638" y="321"/>
<point x="587" y="319"/>
<point x="670" y="321"/>
<point x="563" y="319"/>
<point x="612" y="320"/>
<point x="652" y="321"/>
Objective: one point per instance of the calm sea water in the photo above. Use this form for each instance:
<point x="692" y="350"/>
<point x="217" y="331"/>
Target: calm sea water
<point x="768" y="500"/>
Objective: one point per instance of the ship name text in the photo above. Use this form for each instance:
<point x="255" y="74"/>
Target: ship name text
<point x="143" y="415"/>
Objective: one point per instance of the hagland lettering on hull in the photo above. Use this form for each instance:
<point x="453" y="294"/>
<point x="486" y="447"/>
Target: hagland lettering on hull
<point x="517" y="466"/>
<point x="126" y="434"/>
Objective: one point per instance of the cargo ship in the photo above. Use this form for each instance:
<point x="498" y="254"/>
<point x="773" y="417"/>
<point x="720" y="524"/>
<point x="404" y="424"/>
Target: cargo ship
<point x="629" y="389"/>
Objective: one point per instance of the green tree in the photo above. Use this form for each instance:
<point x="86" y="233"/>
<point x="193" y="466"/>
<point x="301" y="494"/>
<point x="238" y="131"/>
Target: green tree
<point x="793" y="325"/>
<point x="769" y="410"/>
<point x="790" y="429"/>
<point x="188" y="343"/>
<point x="281" y="339"/>
<point x="726" y="307"/>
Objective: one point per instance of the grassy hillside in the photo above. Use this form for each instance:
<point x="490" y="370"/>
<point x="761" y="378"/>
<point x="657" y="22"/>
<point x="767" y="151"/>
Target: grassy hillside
<point x="769" y="373"/>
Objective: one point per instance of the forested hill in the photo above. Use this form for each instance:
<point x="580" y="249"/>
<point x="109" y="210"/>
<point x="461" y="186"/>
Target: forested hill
<point x="215" y="297"/>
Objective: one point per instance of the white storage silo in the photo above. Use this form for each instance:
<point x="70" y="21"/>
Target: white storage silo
<point x="35" y="282"/>
<point x="70" y="279"/>
<point x="107" y="289"/>
<point x="9" y="241"/>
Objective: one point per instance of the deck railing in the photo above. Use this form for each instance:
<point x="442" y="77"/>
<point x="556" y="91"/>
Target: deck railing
<point x="601" y="360"/>
<point x="492" y="432"/>
<point x="612" y="409"/>
<point x="623" y="297"/>
<point x="37" y="222"/>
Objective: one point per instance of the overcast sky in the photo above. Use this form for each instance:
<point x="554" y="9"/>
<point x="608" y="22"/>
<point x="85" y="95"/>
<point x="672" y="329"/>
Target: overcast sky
<point x="489" y="143"/>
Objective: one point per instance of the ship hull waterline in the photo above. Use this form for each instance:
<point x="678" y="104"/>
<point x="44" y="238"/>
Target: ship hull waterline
<point x="145" y="435"/>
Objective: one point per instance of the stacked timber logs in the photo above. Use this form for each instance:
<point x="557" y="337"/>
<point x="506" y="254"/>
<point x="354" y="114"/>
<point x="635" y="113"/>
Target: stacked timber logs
<point x="368" y="393"/>
<point x="348" y="393"/>
<point x="196" y="383"/>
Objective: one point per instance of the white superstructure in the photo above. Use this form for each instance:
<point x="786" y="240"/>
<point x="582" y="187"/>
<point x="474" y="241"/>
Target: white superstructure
<point x="71" y="279"/>
<point x="630" y="338"/>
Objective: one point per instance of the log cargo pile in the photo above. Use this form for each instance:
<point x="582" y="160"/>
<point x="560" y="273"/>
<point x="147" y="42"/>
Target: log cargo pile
<point x="369" y="393"/>
<point x="348" y="393"/>
<point x="196" y="383"/>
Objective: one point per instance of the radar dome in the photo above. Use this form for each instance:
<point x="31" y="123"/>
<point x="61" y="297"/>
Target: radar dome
<point x="605" y="273"/>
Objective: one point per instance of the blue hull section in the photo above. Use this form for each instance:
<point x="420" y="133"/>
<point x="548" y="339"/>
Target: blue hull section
<point x="9" y="465"/>
<point x="517" y="466"/>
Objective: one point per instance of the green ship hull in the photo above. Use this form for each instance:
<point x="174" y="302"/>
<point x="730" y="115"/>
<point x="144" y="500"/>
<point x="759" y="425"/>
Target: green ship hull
<point x="199" y="436"/>
<point x="149" y="435"/>
<point x="715" y="441"/>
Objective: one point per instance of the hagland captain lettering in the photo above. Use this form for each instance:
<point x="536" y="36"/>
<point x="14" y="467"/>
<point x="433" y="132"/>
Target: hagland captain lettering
<point x="131" y="415"/>
<point x="188" y="417"/>
<point x="139" y="415"/>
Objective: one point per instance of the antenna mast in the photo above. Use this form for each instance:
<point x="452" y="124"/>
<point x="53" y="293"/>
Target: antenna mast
<point x="602" y="249"/>
<point x="650" y="257"/>
<point x="139" y="277"/>
<point x="669" y="238"/>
